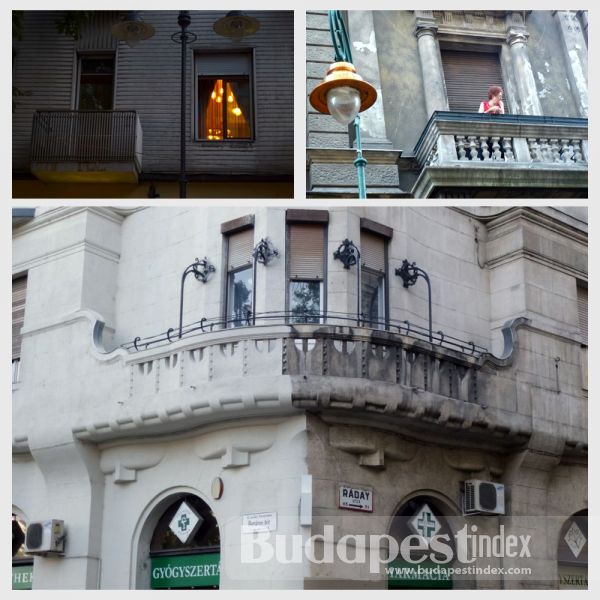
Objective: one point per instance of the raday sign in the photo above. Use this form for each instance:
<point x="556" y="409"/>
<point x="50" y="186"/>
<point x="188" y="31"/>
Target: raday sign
<point x="356" y="498"/>
<point x="192" y="570"/>
<point x="254" y="522"/>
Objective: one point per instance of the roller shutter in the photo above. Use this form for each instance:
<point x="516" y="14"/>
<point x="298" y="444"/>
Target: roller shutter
<point x="468" y="77"/>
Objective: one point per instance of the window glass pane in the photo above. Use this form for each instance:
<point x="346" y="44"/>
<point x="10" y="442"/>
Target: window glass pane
<point x="372" y="298"/>
<point x="224" y="107"/>
<point x="239" y="297"/>
<point x="238" y="109"/>
<point x="305" y="300"/>
<point x="96" y="84"/>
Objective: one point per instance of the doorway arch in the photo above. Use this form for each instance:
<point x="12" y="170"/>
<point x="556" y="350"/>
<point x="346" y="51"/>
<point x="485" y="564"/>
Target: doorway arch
<point x="424" y="514"/>
<point x="572" y="552"/>
<point x="179" y="544"/>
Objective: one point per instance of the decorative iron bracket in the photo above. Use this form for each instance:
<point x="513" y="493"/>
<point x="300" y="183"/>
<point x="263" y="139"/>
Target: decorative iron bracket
<point x="409" y="273"/>
<point x="347" y="253"/>
<point x="201" y="270"/>
<point x="264" y="252"/>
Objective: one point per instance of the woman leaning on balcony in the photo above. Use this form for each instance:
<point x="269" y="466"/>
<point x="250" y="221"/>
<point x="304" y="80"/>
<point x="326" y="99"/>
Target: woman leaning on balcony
<point x="494" y="104"/>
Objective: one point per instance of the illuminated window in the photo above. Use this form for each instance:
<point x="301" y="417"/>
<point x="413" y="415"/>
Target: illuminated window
<point x="224" y="96"/>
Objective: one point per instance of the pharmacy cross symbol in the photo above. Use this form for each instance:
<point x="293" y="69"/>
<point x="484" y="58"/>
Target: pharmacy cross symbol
<point x="183" y="522"/>
<point x="426" y="525"/>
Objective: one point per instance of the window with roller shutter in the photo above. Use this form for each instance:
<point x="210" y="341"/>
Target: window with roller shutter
<point x="306" y="271"/>
<point x="468" y="76"/>
<point x="373" y="278"/>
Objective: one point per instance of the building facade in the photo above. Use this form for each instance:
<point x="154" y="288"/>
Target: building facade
<point x="94" y="116"/>
<point x="424" y="137"/>
<point x="185" y="377"/>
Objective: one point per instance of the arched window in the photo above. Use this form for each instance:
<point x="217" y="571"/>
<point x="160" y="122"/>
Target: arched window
<point x="185" y="547"/>
<point x="572" y="553"/>
<point x="423" y="517"/>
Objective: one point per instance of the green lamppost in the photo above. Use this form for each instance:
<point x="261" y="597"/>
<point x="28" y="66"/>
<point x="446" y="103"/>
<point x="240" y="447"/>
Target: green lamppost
<point x="343" y="93"/>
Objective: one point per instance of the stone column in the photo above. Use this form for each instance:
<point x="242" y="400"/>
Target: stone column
<point x="528" y="97"/>
<point x="431" y="65"/>
<point x="575" y="52"/>
<point x="361" y="31"/>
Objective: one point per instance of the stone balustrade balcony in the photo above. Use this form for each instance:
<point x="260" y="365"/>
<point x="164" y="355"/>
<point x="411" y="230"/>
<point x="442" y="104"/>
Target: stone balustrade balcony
<point x="501" y="151"/>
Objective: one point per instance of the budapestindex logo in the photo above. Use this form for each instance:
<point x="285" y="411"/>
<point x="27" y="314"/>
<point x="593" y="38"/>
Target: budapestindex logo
<point x="427" y="545"/>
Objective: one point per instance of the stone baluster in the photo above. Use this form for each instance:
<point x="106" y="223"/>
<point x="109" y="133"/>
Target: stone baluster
<point x="545" y="150"/>
<point x="434" y="383"/>
<point x="496" y="152"/>
<point x="507" y="149"/>
<point x="534" y="150"/>
<point x="577" y="155"/>
<point x="485" y="153"/>
<point x="473" y="147"/>
<point x="565" y="151"/>
<point x="555" y="150"/>
<point x="464" y="379"/>
<point x="460" y="147"/>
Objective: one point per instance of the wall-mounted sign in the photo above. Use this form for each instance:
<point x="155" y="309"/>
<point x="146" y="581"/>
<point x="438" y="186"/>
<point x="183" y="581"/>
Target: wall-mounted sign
<point x="425" y="575"/>
<point x="259" y="522"/>
<point x="425" y="523"/>
<point x="192" y="570"/>
<point x="185" y="522"/>
<point x="356" y="498"/>
<point x="22" y="577"/>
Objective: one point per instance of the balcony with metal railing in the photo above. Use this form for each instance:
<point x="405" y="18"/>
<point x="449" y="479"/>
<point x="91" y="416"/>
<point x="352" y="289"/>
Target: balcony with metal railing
<point x="86" y="146"/>
<point x="279" y="363"/>
<point x="461" y="151"/>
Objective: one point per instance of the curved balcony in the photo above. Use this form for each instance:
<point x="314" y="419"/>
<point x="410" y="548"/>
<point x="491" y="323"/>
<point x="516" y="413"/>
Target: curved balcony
<point x="342" y="368"/>
<point x="216" y="372"/>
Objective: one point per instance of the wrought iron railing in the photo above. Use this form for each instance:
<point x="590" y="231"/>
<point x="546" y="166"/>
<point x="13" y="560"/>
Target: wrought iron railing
<point x="85" y="136"/>
<point x="292" y="318"/>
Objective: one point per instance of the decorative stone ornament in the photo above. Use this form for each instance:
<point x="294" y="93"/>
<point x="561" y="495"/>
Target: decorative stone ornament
<point x="185" y="523"/>
<point x="575" y="539"/>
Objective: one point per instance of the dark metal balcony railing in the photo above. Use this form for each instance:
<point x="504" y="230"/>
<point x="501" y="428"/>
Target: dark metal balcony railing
<point x="84" y="136"/>
<point x="205" y="326"/>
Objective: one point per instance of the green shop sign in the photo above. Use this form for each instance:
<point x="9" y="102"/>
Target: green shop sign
<point x="22" y="577"/>
<point x="426" y="575"/>
<point x="192" y="570"/>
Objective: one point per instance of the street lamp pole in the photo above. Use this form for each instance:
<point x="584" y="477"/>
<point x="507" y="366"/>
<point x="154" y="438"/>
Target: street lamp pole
<point x="343" y="93"/>
<point x="183" y="37"/>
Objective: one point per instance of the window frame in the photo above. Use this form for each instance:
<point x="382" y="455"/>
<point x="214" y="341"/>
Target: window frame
<point x="229" y="229"/>
<point x="251" y="51"/>
<point x="299" y="218"/>
<point x="228" y="295"/>
<point x="386" y="234"/>
<point x="91" y="55"/>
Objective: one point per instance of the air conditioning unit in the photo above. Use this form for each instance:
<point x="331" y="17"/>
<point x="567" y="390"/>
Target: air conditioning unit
<point x="45" y="537"/>
<point x="483" y="498"/>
